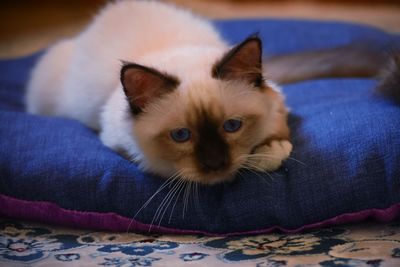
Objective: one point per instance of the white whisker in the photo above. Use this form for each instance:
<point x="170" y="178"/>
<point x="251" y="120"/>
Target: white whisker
<point x="165" y="183"/>
<point x="256" y="173"/>
<point x="196" y="196"/>
<point x="256" y="170"/>
<point x="185" y="198"/>
<point x="163" y="203"/>
<point x="174" y="193"/>
<point x="176" y="201"/>
<point x="296" y="160"/>
<point x="268" y="156"/>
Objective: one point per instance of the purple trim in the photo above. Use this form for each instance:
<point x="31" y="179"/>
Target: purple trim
<point x="51" y="213"/>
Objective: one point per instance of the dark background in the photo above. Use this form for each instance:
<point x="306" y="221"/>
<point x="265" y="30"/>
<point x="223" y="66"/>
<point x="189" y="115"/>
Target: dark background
<point x="30" y="25"/>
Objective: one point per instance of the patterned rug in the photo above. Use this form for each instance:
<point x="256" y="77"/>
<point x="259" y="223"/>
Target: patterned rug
<point x="33" y="244"/>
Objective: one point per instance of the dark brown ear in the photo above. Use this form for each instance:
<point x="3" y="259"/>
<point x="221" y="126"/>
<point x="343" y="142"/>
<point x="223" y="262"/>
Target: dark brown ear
<point x="143" y="85"/>
<point x="243" y="62"/>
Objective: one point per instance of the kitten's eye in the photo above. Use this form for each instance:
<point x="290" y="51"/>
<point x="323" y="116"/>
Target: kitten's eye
<point x="232" y="125"/>
<point x="180" y="135"/>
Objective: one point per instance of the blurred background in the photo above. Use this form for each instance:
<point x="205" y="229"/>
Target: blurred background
<point x="30" y="25"/>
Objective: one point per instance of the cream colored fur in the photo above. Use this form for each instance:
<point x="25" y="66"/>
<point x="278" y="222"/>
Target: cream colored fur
<point x="79" y="79"/>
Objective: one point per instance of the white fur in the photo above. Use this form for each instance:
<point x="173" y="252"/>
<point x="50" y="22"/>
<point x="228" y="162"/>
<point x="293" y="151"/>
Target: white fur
<point x="76" y="77"/>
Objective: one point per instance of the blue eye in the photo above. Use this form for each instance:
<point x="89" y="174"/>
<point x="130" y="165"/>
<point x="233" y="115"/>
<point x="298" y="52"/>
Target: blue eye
<point x="180" y="135"/>
<point x="232" y="125"/>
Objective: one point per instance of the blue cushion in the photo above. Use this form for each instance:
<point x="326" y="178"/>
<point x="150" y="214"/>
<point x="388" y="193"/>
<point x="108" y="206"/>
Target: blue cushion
<point x="345" y="165"/>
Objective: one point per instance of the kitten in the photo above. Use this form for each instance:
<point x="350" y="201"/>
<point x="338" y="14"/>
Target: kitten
<point x="183" y="104"/>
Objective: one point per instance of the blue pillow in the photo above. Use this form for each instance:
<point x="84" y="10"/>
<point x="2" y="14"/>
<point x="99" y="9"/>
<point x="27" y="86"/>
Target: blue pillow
<point x="345" y="166"/>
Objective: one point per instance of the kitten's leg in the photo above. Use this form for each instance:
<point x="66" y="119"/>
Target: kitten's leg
<point x="269" y="157"/>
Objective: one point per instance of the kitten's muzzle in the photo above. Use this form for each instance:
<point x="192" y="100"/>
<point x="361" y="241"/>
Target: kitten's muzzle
<point x="215" y="163"/>
<point x="213" y="158"/>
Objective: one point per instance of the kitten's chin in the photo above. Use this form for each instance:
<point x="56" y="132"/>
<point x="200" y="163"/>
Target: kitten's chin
<point x="210" y="178"/>
<point x="194" y="175"/>
<point x="218" y="179"/>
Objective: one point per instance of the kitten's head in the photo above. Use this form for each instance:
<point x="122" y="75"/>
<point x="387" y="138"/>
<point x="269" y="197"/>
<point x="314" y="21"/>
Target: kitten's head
<point x="204" y="130"/>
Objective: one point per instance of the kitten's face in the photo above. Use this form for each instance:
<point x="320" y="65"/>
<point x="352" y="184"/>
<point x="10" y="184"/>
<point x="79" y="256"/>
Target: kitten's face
<point x="203" y="131"/>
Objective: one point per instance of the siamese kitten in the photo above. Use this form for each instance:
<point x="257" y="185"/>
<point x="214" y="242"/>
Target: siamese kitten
<point x="161" y="86"/>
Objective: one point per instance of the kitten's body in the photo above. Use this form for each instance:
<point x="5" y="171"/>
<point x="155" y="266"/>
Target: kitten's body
<point x="198" y="88"/>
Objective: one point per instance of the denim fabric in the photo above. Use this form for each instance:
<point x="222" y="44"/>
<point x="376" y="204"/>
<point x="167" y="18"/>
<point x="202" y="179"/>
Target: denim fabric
<point x="346" y="154"/>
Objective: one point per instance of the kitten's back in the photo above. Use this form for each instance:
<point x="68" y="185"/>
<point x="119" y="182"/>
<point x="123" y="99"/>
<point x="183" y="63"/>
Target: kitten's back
<point x="41" y="97"/>
<point x="76" y="77"/>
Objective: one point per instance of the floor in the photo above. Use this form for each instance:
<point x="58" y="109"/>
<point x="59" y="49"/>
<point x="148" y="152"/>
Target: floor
<point x="31" y="25"/>
<point x="39" y="245"/>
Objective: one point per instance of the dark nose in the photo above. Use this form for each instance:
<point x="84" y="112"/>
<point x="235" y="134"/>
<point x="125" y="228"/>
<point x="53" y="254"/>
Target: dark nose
<point x="215" y="163"/>
<point x="211" y="150"/>
<point x="212" y="157"/>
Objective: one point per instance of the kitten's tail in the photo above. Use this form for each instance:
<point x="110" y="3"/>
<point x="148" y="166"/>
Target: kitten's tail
<point x="389" y="84"/>
<point x="353" y="60"/>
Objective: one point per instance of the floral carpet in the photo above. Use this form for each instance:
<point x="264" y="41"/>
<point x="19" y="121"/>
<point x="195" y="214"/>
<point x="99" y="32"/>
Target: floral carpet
<point x="33" y="244"/>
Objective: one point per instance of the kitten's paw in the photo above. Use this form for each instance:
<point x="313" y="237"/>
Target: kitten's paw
<point x="269" y="157"/>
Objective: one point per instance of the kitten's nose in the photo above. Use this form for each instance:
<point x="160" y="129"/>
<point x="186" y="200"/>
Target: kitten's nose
<point x="215" y="161"/>
<point x="211" y="151"/>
